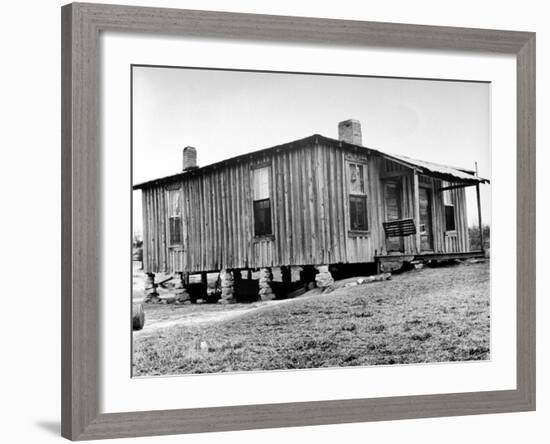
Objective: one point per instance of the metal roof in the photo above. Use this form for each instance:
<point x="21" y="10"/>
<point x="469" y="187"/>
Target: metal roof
<point x="443" y="172"/>
<point x="446" y="172"/>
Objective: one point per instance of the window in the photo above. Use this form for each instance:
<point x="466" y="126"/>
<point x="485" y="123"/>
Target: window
<point x="450" y="218"/>
<point x="357" y="197"/>
<point x="262" y="202"/>
<point x="262" y="217"/>
<point x="174" y="217"/>
<point x="449" y="209"/>
<point x="358" y="212"/>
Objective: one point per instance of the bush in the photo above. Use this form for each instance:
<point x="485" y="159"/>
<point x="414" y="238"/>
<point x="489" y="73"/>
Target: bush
<point x="475" y="240"/>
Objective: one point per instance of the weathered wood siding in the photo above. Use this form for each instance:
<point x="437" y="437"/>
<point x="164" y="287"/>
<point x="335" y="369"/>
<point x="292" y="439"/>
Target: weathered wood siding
<point x="310" y="214"/>
<point x="458" y="241"/>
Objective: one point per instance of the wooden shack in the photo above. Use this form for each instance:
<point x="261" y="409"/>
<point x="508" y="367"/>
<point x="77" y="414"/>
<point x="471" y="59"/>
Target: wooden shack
<point x="316" y="202"/>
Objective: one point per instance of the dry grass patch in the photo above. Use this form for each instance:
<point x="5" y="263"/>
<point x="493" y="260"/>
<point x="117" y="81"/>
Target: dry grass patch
<point x="428" y="315"/>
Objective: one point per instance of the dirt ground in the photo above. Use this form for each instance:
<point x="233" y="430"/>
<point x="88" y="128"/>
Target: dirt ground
<point x="165" y="316"/>
<point x="428" y="315"/>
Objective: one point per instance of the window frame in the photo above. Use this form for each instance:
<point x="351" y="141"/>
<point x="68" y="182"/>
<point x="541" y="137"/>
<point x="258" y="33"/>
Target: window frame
<point x="268" y="221"/>
<point x="270" y="235"/>
<point x="445" y="206"/>
<point x="364" y="195"/>
<point x="170" y="191"/>
<point x="448" y="201"/>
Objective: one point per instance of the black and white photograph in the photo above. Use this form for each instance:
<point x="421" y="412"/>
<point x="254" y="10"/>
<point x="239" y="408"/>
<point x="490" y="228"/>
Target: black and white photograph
<point x="285" y="221"/>
<point x="275" y="222"/>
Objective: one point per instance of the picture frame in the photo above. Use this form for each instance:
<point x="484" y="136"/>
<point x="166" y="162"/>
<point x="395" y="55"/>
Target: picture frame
<point x="81" y="231"/>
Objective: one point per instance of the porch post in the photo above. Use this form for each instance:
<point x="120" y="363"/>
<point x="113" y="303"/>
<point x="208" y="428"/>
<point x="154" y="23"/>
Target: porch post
<point x="416" y="203"/>
<point x="479" y="217"/>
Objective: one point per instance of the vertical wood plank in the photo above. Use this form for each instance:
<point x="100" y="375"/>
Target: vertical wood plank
<point x="416" y="203"/>
<point x="479" y="221"/>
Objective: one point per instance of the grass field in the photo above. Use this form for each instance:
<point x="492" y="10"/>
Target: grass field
<point x="428" y="315"/>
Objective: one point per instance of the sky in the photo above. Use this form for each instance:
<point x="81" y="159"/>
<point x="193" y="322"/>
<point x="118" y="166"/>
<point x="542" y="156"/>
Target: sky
<point x="227" y="113"/>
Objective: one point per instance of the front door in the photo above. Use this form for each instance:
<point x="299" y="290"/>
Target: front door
<point x="426" y="238"/>
<point x="392" y="204"/>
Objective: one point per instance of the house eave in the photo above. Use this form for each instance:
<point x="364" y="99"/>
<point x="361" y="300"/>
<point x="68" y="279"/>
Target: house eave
<point x="442" y="172"/>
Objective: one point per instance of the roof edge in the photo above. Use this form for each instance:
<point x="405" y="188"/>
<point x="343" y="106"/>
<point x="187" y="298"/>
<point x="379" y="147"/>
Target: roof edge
<point x="446" y="172"/>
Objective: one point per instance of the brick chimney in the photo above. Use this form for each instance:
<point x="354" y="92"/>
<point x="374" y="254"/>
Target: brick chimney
<point x="350" y="131"/>
<point x="189" y="158"/>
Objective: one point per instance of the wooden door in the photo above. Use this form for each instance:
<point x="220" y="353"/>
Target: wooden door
<point x="425" y="228"/>
<point x="392" y="204"/>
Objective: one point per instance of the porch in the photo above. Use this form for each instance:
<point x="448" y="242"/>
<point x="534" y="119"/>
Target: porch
<point x="424" y="212"/>
<point x="384" y="260"/>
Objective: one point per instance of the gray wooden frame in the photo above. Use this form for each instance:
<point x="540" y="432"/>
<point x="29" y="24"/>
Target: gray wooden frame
<point x="81" y="231"/>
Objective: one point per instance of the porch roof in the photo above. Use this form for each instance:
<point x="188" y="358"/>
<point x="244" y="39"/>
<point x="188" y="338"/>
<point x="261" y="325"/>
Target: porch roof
<point x="444" y="172"/>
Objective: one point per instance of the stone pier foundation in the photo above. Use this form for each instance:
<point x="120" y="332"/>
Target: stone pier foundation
<point x="324" y="279"/>
<point x="228" y="287"/>
<point x="180" y="287"/>
<point x="265" y="292"/>
<point x="151" y="294"/>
